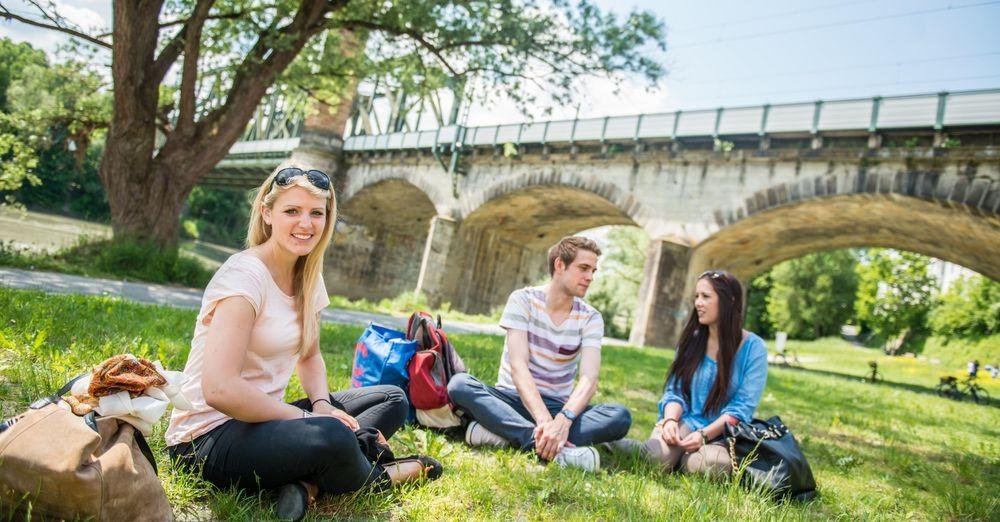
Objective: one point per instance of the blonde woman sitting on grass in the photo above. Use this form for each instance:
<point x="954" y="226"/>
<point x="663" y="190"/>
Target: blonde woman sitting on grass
<point x="259" y="321"/>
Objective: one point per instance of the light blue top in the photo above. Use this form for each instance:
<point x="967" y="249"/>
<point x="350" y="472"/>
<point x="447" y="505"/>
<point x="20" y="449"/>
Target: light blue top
<point x="745" y="389"/>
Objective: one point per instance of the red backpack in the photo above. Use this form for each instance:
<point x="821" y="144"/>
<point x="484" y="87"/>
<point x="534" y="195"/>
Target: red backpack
<point x="435" y="362"/>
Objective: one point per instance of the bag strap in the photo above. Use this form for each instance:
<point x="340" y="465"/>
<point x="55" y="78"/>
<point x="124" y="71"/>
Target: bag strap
<point x="732" y="453"/>
<point x="54" y="399"/>
<point x="140" y="441"/>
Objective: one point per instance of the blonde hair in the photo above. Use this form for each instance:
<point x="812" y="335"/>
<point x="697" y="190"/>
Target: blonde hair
<point x="308" y="268"/>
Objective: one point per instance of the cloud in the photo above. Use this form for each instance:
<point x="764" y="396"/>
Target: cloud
<point x="87" y="15"/>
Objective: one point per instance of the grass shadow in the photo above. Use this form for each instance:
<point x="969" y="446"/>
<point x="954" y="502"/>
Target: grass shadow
<point x="916" y="388"/>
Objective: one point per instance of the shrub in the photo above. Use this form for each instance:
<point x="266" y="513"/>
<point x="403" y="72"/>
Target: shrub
<point x="137" y="260"/>
<point x="970" y="308"/>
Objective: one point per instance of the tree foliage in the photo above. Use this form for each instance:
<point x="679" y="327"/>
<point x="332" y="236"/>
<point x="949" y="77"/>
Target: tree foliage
<point x="970" y="308"/>
<point x="195" y="70"/>
<point x="895" y="292"/>
<point x="813" y="295"/>
<point x="758" y="319"/>
<point x="49" y="117"/>
<point x="616" y="287"/>
<point x="17" y="157"/>
<point x="218" y="216"/>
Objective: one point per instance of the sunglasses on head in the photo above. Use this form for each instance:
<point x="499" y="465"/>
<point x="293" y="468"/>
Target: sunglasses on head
<point x="318" y="178"/>
<point x="714" y="274"/>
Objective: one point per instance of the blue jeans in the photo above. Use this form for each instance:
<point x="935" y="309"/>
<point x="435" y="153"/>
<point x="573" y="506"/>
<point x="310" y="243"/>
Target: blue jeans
<point x="503" y="413"/>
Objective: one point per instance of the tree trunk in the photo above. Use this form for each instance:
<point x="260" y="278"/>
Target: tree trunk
<point x="133" y="184"/>
<point x="146" y="187"/>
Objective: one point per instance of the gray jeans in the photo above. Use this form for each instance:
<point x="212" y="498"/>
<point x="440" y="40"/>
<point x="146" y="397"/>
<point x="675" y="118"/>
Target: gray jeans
<point x="503" y="413"/>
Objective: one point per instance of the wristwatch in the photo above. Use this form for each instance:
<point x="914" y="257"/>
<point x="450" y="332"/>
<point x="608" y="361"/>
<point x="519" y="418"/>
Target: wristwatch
<point x="568" y="414"/>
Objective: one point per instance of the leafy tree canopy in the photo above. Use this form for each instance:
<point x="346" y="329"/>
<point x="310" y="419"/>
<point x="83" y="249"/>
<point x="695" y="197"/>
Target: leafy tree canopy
<point x="970" y="308"/>
<point x="195" y="70"/>
<point x="813" y="295"/>
<point x="616" y="287"/>
<point x="895" y="291"/>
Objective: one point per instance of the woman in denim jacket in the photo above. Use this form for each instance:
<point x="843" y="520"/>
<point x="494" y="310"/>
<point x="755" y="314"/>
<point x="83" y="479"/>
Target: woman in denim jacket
<point x="697" y="404"/>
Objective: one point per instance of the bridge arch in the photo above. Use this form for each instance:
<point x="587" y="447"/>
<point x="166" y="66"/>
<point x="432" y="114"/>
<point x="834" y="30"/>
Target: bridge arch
<point x="362" y="180"/>
<point x="503" y="240"/>
<point x="556" y="178"/>
<point x="950" y="217"/>
<point x="380" y="236"/>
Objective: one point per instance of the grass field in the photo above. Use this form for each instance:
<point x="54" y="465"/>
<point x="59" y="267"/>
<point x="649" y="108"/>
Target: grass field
<point x="879" y="451"/>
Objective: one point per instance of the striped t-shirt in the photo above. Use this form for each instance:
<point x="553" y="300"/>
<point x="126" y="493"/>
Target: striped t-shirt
<point x="553" y="351"/>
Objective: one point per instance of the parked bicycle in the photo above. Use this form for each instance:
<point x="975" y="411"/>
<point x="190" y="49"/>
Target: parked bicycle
<point x="952" y="388"/>
<point x="873" y="375"/>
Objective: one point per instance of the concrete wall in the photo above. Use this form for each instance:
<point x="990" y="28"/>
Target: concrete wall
<point x="379" y="241"/>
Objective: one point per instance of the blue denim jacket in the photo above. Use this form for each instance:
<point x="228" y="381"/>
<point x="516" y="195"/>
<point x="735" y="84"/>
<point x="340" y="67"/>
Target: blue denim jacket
<point x="748" y="380"/>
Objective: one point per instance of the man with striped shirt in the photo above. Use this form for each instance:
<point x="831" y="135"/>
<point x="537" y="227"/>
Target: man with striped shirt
<point x="553" y="339"/>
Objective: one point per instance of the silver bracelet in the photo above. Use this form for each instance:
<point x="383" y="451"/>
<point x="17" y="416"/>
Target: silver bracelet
<point x="306" y="414"/>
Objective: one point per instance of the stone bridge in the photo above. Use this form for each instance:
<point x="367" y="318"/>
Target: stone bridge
<point x="470" y="226"/>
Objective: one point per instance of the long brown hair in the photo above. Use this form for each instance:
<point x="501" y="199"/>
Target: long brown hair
<point x="306" y="274"/>
<point x="693" y="343"/>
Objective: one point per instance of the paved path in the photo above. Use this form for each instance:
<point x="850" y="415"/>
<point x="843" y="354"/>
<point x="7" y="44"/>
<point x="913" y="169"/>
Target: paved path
<point x="189" y="297"/>
<point x="182" y="297"/>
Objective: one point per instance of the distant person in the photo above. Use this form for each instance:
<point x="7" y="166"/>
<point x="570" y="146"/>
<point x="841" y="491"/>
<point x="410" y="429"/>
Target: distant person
<point x="259" y="321"/>
<point x="717" y="378"/>
<point x="553" y="337"/>
<point x="973" y="369"/>
<point x="994" y="371"/>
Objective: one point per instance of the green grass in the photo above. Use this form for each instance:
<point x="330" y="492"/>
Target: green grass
<point x="113" y="259"/>
<point x="405" y="303"/>
<point x="886" y="451"/>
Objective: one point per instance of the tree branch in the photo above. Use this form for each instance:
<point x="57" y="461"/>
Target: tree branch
<point x="169" y="55"/>
<point x="221" y="16"/>
<point x="76" y="34"/>
<point x="222" y="126"/>
<point x="189" y="74"/>
<point x="414" y="35"/>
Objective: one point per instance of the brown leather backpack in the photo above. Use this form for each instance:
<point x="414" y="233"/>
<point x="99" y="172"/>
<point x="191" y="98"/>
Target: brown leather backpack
<point x="54" y="464"/>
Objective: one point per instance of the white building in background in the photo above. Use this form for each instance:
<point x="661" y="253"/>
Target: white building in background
<point x="947" y="273"/>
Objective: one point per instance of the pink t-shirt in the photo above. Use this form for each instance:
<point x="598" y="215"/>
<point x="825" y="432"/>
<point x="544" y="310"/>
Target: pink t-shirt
<point x="272" y="352"/>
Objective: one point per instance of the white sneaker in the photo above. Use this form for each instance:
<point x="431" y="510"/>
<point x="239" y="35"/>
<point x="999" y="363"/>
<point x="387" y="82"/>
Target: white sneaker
<point x="477" y="435"/>
<point x="581" y="457"/>
<point x="626" y="446"/>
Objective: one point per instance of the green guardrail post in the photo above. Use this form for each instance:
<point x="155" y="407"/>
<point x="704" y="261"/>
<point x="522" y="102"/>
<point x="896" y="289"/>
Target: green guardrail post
<point x="941" y="103"/>
<point x="876" y="104"/>
<point x="816" y="112"/>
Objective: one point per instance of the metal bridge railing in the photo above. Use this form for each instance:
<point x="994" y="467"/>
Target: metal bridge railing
<point x="932" y="111"/>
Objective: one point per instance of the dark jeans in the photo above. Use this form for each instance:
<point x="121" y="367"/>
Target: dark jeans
<point x="319" y="450"/>
<point x="503" y="413"/>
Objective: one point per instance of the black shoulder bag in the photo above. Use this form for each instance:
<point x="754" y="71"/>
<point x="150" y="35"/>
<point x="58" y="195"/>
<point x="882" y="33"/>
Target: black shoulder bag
<point x="776" y="463"/>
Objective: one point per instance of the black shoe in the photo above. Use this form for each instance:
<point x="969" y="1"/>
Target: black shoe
<point x="292" y="502"/>
<point x="430" y="468"/>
